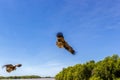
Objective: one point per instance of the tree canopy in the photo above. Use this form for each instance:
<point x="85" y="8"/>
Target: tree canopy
<point x="106" y="69"/>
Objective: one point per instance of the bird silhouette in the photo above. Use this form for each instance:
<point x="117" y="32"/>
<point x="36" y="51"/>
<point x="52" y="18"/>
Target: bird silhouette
<point x="61" y="43"/>
<point x="10" y="67"/>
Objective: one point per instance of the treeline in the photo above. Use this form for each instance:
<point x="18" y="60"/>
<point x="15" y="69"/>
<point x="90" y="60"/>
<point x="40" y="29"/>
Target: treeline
<point x="106" y="69"/>
<point x="20" y="77"/>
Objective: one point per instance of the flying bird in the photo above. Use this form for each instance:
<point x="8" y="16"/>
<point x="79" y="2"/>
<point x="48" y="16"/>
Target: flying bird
<point x="10" y="67"/>
<point x="61" y="43"/>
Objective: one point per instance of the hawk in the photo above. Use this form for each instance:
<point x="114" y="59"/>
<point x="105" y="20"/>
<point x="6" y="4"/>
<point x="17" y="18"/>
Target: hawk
<point x="10" y="67"/>
<point x="61" y="43"/>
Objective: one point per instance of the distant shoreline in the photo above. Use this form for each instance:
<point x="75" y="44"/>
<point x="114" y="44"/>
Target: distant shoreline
<point x="32" y="79"/>
<point x="24" y="77"/>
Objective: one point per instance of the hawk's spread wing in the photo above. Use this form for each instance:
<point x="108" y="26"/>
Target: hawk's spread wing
<point x="10" y="67"/>
<point x="62" y="43"/>
<point x="69" y="48"/>
<point x="18" y="65"/>
<point x="7" y="65"/>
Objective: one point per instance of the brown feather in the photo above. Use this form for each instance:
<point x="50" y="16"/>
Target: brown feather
<point x="61" y="43"/>
<point x="69" y="48"/>
<point x="10" y="67"/>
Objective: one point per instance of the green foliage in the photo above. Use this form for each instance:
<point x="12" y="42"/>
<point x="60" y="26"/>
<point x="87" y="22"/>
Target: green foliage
<point x="95" y="78"/>
<point x="107" y="69"/>
<point x="118" y="79"/>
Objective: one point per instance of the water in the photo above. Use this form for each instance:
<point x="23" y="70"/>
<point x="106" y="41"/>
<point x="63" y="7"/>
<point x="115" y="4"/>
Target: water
<point x="32" y="79"/>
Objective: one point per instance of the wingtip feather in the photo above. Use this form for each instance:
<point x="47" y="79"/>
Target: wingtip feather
<point x="59" y="34"/>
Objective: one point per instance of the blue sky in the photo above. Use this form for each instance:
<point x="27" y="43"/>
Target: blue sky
<point x="28" y="33"/>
